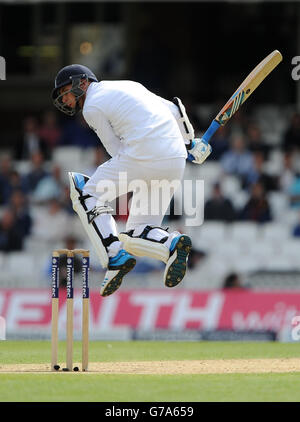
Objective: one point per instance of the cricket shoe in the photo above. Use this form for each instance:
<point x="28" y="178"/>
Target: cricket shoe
<point x="175" y="270"/>
<point x="118" y="266"/>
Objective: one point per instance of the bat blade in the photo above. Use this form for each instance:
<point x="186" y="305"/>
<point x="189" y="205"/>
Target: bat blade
<point x="247" y="87"/>
<point x="258" y="74"/>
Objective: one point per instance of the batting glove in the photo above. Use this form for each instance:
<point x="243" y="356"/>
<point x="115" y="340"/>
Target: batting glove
<point x="198" y="151"/>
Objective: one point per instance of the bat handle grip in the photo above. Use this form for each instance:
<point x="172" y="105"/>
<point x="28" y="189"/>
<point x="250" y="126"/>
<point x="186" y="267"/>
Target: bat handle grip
<point x="214" y="126"/>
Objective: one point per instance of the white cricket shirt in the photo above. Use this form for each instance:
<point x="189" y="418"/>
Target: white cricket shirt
<point x="131" y="120"/>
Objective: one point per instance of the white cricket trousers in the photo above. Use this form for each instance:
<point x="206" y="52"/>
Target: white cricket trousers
<point x="153" y="184"/>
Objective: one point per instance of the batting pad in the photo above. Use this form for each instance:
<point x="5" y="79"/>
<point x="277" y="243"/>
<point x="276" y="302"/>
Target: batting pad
<point x="143" y="247"/>
<point x="90" y="228"/>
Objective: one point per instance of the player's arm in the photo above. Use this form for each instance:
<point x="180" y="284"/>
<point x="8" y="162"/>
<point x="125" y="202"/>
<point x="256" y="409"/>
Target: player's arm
<point x="185" y="126"/>
<point x="198" y="149"/>
<point x="101" y="126"/>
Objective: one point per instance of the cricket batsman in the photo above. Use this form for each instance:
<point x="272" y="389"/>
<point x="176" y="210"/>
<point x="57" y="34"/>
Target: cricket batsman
<point x="149" y="139"/>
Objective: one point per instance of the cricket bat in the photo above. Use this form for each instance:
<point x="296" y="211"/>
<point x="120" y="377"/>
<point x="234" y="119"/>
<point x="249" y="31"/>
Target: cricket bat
<point x="255" y="78"/>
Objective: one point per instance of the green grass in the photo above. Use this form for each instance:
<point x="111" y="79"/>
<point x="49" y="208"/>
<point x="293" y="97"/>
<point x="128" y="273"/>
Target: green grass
<point x="177" y="388"/>
<point x="39" y="351"/>
<point x="128" y="388"/>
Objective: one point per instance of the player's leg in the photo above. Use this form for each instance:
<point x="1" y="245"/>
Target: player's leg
<point x="155" y="242"/>
<point x="77" y="183"/>
<point x="145" y="237"/>
<point x="100" y="225"/>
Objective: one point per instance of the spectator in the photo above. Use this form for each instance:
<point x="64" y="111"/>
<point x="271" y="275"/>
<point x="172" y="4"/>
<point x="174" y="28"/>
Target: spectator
<point x="296" y="229"/>
<point x="258" y="173"/>
<point x="37" y="172"/>
<point x="49" y="187"/>
<point x="17" y="182"/>
<point x="50" y="131"/>
<point x="255" y="141"/>
<point x="238" y="160"/>
<point x="10" y="180"/>
<point x="11" y="238"/>
<point x="233" y="281"/>
<point x="31" y="142"/>
<point x="294" y="192"/>
<point x="218" y="207"/>
<point x="257" y="208"/>
<point x="291" y="138"/>
<point x="6" y="168"/>
<point x="51" y="224"/>
<point x="288" y="173"/>
<point x="77" y="133"/>
<point x="219" y="143"/>
<point x="19" y="207"/>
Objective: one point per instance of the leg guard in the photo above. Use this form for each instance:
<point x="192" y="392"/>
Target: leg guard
<point x="143" y="246"/>
<point x="77" y="182"/>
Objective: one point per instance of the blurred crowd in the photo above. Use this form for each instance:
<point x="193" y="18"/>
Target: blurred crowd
<point x="239" y="148"/>
<point x="42" y="183"/>
<point x="241" y="151"/>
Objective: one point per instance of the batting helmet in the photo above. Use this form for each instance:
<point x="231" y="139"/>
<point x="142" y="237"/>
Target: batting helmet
<point x="72" y="74"/>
